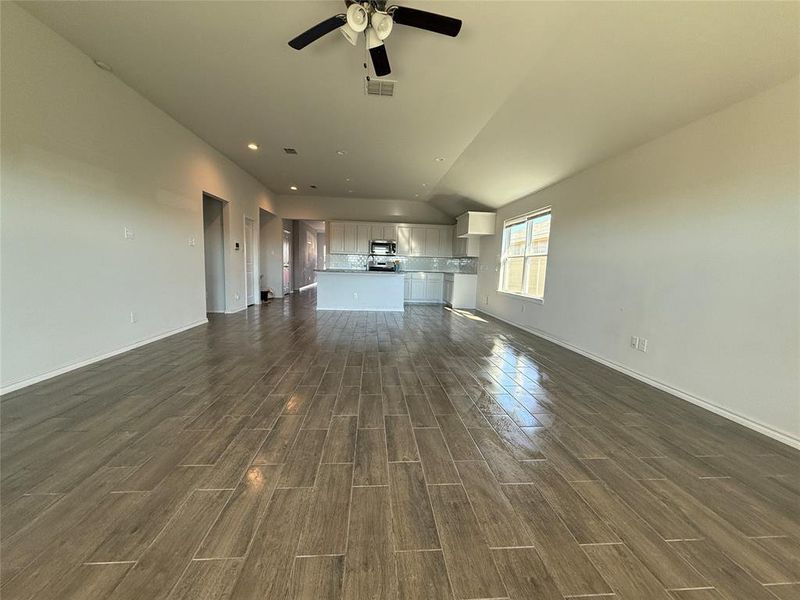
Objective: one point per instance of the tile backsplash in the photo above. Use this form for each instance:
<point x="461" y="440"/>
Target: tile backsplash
<point x="358" y="262"/>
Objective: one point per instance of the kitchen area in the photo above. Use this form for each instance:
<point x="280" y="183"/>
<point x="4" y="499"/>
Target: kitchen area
<point x="384" y="266"/>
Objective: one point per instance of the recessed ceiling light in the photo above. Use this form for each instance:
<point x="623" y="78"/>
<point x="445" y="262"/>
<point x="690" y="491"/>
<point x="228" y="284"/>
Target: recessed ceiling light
<point x="347" y="179"/>
<point x="341" y="152"/>
<point x="103" y="65"/>
<point x="424" y="185"/>
<point x="439" y="159"/>
<point x="252" y="146"/>
<point x="349" y="191"/>
<point x="293" y="188"/>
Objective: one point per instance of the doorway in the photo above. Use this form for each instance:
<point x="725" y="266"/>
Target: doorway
<point x="287" y="262"/>
<point x="249" y="261"/>
<point x="214" y="250"/>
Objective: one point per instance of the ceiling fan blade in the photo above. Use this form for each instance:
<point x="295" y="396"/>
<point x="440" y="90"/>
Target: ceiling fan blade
<point x="317" y="31"/>
<point x="425" y="20"/>
<point x="380" y="60"/>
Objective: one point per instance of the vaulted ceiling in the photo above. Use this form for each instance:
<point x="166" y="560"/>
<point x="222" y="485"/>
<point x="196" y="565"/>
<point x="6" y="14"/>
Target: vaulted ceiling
<point x="528" y="94"/>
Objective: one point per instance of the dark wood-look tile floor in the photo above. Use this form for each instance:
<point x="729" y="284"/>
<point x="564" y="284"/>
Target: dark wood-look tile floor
<point x="283" y="453"/>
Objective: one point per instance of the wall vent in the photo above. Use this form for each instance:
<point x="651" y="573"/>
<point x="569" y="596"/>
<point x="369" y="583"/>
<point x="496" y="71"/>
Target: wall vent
<point x="379" y="87"/>
<point x="290" y="151"/>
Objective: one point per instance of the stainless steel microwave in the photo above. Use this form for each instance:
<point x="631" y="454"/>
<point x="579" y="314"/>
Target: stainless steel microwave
<point x="383" y="247"/>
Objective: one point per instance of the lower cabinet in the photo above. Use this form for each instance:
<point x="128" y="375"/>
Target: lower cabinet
<point x="424" y="287"/>
<point x="454" y="289"/>
<point x="448" y="289"/>
<point x="460" y="290"/>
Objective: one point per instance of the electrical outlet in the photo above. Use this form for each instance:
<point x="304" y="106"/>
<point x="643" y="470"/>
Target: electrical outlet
<point x="643" y="344"/>
<point x="134" y="318"/>
<point x="127" y="233"/>
<point x="192" y="241"/>
<point x="634" y="342"/>
<point x="236" y="296"/>
<point x="486" y="299"/>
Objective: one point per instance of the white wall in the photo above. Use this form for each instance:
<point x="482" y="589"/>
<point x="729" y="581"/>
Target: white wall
<point x="322" y="208"/>
<point x="213" y="245"/>
<point x="84" y="156"/>
<point x="690" y="241"/>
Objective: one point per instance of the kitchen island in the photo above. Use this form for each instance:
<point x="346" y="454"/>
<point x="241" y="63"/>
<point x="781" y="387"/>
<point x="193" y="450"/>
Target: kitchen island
<point x="360" y="290"/>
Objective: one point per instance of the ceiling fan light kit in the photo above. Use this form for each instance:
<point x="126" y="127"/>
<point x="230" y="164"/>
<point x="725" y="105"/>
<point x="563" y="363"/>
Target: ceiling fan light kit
<point x="382" y="23"/>
<point x="377" y="22"/>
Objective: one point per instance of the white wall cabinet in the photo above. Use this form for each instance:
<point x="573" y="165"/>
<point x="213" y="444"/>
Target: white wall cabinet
<point x="467" y="246"/>
<point x="475" y="223"/>
<point x="404" y="240"/>
<point x="336" y="238"/>
<point x="352" y="237"/>
<point x="363" y="237"/>
<point x="383" y="231"/>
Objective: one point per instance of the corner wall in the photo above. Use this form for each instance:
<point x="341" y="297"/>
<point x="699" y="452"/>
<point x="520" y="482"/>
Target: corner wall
<point x="83" y="157"/>
<point x="693" y="242"/>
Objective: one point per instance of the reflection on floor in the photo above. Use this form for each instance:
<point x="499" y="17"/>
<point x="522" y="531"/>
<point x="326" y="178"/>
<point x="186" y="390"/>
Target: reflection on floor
<point x="280" y="453"/>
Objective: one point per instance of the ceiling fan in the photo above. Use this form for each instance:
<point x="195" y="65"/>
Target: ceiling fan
<point x="376" y="20"/>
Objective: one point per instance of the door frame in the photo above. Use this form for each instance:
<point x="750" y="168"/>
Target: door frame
<point x="250" y="283"/>
<point x="284" y="262"/>
<point x="225" y="259"/>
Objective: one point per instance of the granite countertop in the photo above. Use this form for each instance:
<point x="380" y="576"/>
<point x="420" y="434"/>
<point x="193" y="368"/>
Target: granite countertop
<point x="358" y="272"/>
<point x="390" y="272"/>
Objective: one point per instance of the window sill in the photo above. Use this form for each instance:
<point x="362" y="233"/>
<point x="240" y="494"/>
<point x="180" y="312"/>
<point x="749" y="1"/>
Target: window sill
<point x="533" y="299"/>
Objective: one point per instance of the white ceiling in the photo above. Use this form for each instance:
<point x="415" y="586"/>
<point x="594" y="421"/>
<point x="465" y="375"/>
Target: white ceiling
<point x="529" y="93"/>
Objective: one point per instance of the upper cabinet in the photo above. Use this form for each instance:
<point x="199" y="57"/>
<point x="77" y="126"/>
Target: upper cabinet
<point x="336" y="238"/>
<point x="475" y="223"/>
<point x="468" y="231"/>
<point x="383" y="231"/>
<point x="466" y="246"/>
<point x="352" y="237"/>
<point x="425" y="240"/>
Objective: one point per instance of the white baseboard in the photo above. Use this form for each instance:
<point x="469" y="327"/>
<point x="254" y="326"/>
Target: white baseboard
<point x="60" y="371"/>
<point x="762" y="428"/>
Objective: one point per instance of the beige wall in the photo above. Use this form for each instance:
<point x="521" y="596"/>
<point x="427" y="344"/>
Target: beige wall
<point x="690" y="241"/>
<point x="320" y="208"/>
<point x="83" y="157"/>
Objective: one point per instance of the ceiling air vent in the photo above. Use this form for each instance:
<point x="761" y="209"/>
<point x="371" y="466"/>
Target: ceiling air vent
<point x="379" y="87"/>
<point x="290" y="151"/>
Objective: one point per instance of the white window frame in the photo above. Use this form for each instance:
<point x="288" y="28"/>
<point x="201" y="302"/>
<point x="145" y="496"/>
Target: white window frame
<point x="527" y="218"/>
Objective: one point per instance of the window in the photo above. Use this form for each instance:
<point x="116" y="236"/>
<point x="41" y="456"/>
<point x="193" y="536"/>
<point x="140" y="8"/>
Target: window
<point x="523" y="264"/>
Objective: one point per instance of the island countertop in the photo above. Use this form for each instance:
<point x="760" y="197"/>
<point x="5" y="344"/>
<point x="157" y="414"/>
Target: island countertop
<point x="359" y="272"/>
